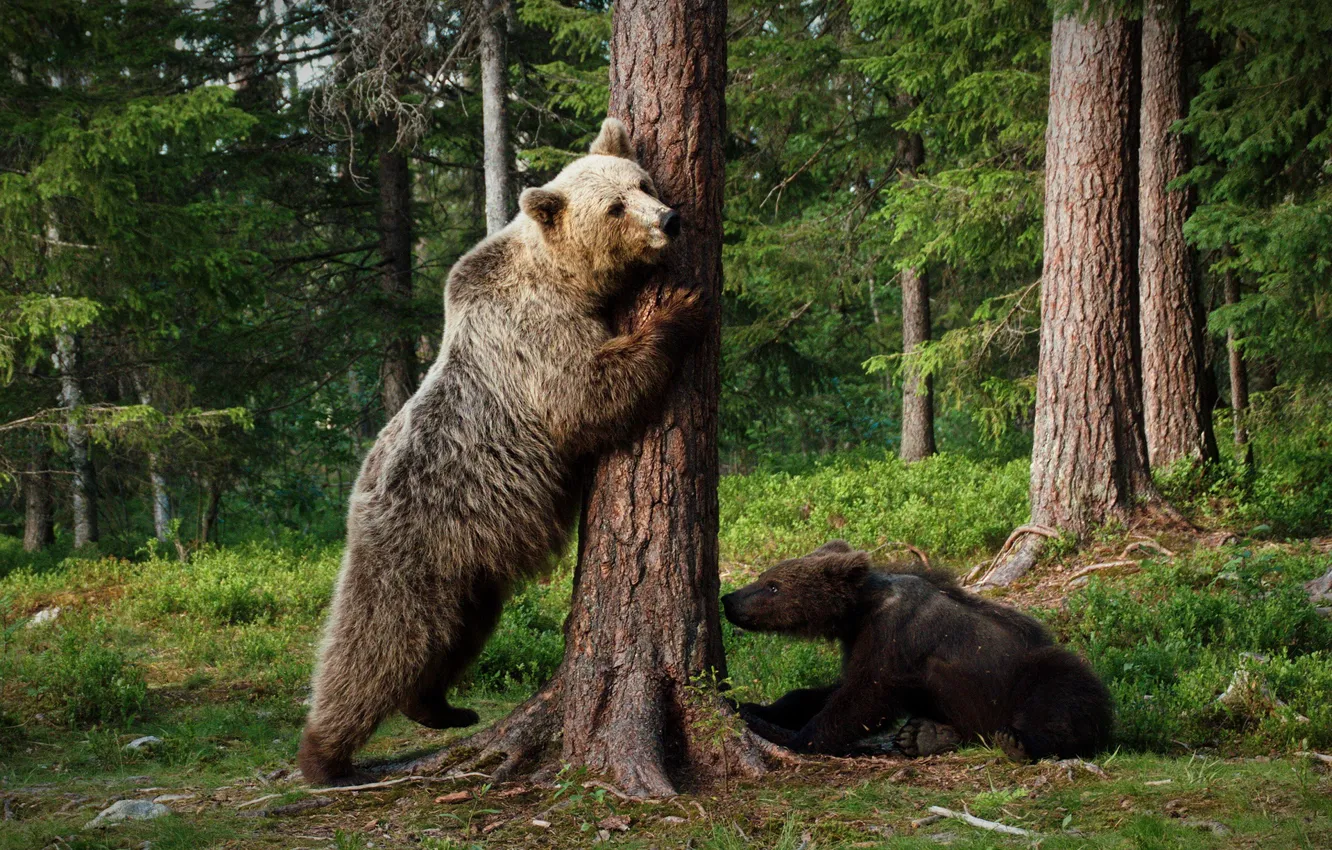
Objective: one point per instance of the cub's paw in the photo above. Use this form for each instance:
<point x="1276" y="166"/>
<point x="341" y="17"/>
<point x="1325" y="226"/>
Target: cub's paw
<point x="1008" y="741"/>
<point x="921" y="737"/>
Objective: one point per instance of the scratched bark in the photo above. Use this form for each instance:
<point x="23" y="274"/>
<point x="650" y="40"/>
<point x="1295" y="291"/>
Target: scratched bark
<point x="1089" y="458"/>
<point x="1177" y="422"/>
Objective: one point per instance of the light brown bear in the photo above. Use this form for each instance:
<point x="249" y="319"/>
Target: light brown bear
<point x="473" y="485"/>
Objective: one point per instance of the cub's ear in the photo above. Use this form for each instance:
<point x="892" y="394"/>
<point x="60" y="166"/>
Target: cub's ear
<point x="851" y="566"/>
<point x="542" y="205"/>
<point x="613" y="140"/>
<point x="833" y="547"/>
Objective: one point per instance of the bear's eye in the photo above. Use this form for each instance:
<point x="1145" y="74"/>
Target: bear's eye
<point x="646" y="188"/>
<point x="616" y="210"/>
<point x="772" y="587"/>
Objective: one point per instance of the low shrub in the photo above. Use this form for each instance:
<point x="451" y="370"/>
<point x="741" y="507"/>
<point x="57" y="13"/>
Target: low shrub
<point x="92" y="681"/>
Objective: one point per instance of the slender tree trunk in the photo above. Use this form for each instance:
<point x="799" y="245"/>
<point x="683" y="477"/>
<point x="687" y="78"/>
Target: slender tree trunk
<point x="212" y="498"/>
<point x="68" y="363"/>
<point x="38" y="510"/>
<point x="1239" y="379"/>
<point x="918" y="392"/>
<point x="1177" y="422"/>
<point x="398" y="369"/>
<point x="495" y="114"/>
<point x="156" y="480"/>
<point x="635" y="698"/>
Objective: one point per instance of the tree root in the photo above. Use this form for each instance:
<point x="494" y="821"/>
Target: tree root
<point x="1007" y="567"/>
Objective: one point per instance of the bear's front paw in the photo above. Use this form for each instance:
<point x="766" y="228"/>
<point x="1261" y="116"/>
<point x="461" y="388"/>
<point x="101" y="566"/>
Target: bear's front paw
<point x="1009" y="741"/>
<point x="681" y="313"/>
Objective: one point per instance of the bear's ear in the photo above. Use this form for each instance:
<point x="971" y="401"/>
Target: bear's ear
<point x="833" y="547"/>
<point x="850" y="567"/>
<point x="542" y="205"/>
<point x="613" y="140"/>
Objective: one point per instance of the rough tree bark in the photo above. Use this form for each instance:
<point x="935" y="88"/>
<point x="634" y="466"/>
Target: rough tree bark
<point x="1089" y="455"/>
<point x="1239" y="379"/>
<point x="156" y="480"/>
<point x="83" y="487"/>
<point x="495" y="113"/>
<point x="398" y="368"/>
<point x="918" y="392"/>
<point x="38" y="509"/>
<point x="1177" y="422"/>
<point x="634" y="697"/>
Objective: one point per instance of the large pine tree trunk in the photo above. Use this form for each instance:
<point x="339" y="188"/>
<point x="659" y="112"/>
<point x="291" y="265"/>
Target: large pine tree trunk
<point x="398" y="368"/>
<point x="1089" y="454"/>
<point x="38" y="511"/>
<point x="918" y="392"/>
<point x="1178" y="424"/>
<point x="495" y="114"/>
<point x="83" y="489"/>
<point x="634" y="698"/>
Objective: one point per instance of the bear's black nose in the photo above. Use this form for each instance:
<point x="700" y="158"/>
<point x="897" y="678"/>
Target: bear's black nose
<point x="670" y="223"/>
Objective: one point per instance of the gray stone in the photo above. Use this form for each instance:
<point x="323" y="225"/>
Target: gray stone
<point x="146" y="742"/>
<point x="128" y="810"/>
<point x="44" y="616"/>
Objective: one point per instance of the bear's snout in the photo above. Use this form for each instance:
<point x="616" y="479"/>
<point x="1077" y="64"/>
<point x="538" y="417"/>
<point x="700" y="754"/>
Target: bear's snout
<point x="669" y="222"/>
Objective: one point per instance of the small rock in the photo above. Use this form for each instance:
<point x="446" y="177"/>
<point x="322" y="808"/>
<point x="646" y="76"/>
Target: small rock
<point x="544" y="824"/>
<point x="619" y="823"/>
<point x="673" y="819"/>
<point x="146" y="742"/>
<point x="1215" y="827"/>
<point x="280" y="773"/>
<point x="128" y="810"/>
<point x="173" y="798"/>
<point x="44" y="616"/>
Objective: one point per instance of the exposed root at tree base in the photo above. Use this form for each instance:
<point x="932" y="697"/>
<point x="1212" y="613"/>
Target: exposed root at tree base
<point x="527" y="745"/>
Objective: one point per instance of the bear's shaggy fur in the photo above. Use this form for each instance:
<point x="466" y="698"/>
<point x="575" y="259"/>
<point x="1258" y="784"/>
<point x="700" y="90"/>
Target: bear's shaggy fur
<point x="473" y="485"/>
<point x="915" y="645"/>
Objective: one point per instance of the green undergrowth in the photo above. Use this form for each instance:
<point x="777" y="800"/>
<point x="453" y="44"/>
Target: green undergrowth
<point x="214" y="657"/>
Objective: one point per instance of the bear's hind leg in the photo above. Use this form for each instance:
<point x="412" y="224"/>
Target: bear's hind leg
<point x="462" y="638"/>
<point x="365" y="667"/>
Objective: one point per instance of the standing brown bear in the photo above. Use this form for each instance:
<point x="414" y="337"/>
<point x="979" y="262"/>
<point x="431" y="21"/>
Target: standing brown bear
<point x="915" y="645"/>
<point x="472" y="486"/>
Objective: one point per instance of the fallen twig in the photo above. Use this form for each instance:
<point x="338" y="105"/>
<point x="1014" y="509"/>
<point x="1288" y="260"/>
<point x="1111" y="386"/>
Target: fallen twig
<point x="1105" y="565"/>
<point x="980" y="823"/>
<point x="256" y="801"/>
<point x="387" y="783"/>
<point x="1325" y="759"/>
<point x="926" y="821"/>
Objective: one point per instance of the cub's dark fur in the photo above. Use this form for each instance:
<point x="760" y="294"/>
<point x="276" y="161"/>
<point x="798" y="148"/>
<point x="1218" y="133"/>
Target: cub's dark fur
<point x="915" y="645"/>
<point x="472" y="486"/>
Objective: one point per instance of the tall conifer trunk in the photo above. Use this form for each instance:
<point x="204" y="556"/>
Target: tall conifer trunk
<point x="1178" y="424"/>
<point x="634" y="698"/>
<point x="495" y="114"/>
<point x="918" y="392"/>
<point x="398" y="368"/>
<point x="1089" y="454"/>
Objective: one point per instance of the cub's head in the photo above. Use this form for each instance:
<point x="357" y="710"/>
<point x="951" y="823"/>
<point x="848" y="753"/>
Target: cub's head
<point x="813" y="596"/>
<point x="601" y="215"/>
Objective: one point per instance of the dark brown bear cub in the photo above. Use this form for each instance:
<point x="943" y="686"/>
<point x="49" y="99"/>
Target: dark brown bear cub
<point x="916" y="646"/>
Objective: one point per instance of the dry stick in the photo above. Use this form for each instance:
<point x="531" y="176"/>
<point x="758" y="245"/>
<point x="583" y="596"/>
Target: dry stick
<point x="980" y="823"/>
<point x="1107" y="565"/>
<point x="256" y="801"/>
<point x="1146" y="544"/>
<point x="370" y="786"/>
<point x="1325" y="759"/>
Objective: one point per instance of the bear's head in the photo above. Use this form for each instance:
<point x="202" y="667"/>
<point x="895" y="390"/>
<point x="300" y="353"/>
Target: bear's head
<point x="601" y="215"/>
<point x="813" y="596"/>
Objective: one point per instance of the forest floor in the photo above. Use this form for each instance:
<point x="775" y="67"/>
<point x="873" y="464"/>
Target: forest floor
<point x="213" y="659"/>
